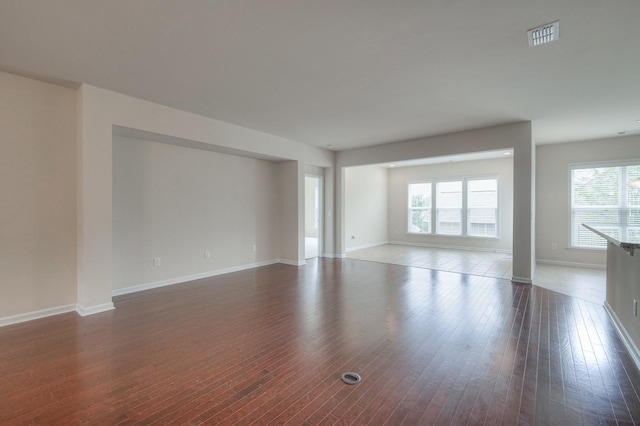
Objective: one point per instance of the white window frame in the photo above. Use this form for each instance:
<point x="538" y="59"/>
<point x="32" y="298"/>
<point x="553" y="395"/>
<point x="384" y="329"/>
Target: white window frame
<point x="464" y="216"/>
<point x="463" y="207"/>
<point x="466" y="212"/>
<point x="409" y="209"/>
<point x="621" y="185"/>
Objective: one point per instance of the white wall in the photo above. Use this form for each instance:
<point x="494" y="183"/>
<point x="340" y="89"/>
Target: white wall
<point x="399" y="178"/>
<point x="37" y="197"/>
<point x="176" y="202"/>
<point x="553" y="192"/>
<point x="366" y="206"/>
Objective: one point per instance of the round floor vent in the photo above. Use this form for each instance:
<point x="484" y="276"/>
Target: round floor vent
<point x="351" y="378"/>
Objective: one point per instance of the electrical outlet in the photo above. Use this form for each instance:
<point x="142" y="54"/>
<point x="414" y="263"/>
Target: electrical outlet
<point x="157" y="261"/>
<point x="207" y="254"/>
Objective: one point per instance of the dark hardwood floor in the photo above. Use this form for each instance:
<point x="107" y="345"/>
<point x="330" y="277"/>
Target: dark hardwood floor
<point x="269" y="345"/>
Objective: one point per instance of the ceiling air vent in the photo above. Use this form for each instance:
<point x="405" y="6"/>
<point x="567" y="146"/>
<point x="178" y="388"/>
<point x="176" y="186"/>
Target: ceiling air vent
<point x="544" y="34"/>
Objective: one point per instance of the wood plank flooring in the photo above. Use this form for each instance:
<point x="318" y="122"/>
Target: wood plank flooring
<point x="268" y="346"/>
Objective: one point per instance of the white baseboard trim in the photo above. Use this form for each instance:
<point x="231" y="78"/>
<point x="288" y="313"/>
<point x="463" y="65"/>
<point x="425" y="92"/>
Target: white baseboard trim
<point x="92" y="310"/>
<point x="292" y="262"/>
<point x="331" y="256"/>
<point x="381" y="243"/>
<point x="30" y="316"/>
<point x="442" y="246"/>
<point x="187" y="278"/>
<point x="622" y="332"/>
<point x="521" y="280"/>
<point x="571" y="264"/>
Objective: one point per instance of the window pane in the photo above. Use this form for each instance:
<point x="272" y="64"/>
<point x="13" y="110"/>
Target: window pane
<point x="482" y="204"/>
<point x="596" y="217"/>
<point x="634" y="217"/>
<point x="482" y="193"/>
<point x="633" y="192"/>
<point x="449" y="208"/>
<point x="449" y="195"/>
<point x="419" y="220"/>
<point x="585" y="238"/>
<point x="601" y="197"/>
<point x="449" y="221"/>
<point x="596" y="187"/>
<point x="420" y="195"/>
<point x="482" y="222"/>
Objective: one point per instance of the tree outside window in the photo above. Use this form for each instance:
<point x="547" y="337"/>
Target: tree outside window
<point x="420" y="208"/>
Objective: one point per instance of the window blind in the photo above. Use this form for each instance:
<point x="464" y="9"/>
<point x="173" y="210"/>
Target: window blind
<point x="601" y="197"/>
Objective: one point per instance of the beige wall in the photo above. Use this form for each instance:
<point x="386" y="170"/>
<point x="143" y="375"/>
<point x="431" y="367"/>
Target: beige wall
<point x="623" y="287"/>
<point x="400" y="177"/>
<point x="291" y="222"/>
<point x="553" y="192"/>
<point x="311" y="225"/>
<point x="57" y="177"/>
<point x="37" y="193"/>
<point x="101" y="110"/>
<point x="516" y="136"/>
<point x="176" y="203"/>
<point x="366" y="202"/>
<point x="38" y="220"/>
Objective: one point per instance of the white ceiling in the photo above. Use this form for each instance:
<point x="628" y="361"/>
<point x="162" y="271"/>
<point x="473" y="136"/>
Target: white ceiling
<point x="346" y="73"/>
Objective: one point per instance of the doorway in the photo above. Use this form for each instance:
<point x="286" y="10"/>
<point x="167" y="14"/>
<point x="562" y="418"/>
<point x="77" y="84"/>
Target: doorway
<point x="312" y="216"/>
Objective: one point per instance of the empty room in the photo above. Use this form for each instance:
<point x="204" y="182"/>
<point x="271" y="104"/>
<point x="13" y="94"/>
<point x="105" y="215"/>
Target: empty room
<point x="333" y="212"/>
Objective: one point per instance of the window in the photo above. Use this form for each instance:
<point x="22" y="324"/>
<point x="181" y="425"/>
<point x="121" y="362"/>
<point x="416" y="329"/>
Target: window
<point x="482" y="208"/>
<point x="420" y="208"/>
<point x="602" y="198"/>
<point x="462" y="207"/>
<point x="449" y="208"/>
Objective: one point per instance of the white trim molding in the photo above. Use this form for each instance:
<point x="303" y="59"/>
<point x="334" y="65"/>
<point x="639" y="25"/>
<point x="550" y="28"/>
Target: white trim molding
<point x="30" y="316"/>
<point x="571" y="264"/>
<point x="367" y="246"/>
<point x="187" y="278"/>
<point x="84" y="311"/>
<point x="624" y="336"/>
<point x="442" y="246"/>
<point x="292" y="262"/>
<point x="331" y="256"/>
<point x="521" y="280"/>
